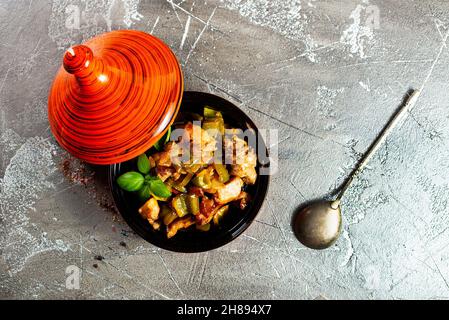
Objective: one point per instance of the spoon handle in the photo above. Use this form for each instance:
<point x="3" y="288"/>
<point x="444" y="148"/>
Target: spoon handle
<point x="411" y="100"/>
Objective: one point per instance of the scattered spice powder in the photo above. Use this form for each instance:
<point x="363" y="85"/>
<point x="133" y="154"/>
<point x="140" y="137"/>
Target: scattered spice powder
<point x="77" y="172"/>
<point x="107" y="204"/>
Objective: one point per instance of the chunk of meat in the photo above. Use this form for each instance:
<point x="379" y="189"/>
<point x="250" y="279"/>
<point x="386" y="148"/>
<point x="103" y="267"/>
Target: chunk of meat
<point x="150" y="211"/>
<point x="181" y="223"/>
<point x="246" y="172"/>
<point x="179" y="170"/>
<point x="202" y="219"/>
<point x="164" y="159"/>
<point x="242" y="158"/>
<point x="243" y="199"/>
<point x="202" y="144"/>
<point x="164" y="172"/>
<point x="207" y="208"/>
<point x="155" y="224"/>
<point x="196" y="191"/>
<point x="208" y="147"/>
<point x="236" y="150"/>
<point x="230" y="191"/>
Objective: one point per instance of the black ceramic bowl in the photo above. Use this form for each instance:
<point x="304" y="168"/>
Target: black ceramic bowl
<point x="192" y="240"/>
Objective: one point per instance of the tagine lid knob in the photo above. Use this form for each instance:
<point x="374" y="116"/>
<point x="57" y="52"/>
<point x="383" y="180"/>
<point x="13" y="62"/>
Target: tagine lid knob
<point x="114" y="96"/>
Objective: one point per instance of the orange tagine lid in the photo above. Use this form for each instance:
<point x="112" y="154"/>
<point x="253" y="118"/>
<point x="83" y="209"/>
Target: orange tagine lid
<point x="115" y="96"/>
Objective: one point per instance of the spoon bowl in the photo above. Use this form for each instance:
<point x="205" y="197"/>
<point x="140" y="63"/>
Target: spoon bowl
<point x="318" y="225"/>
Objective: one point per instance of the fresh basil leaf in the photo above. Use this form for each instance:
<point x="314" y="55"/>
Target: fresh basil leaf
<point x="143" y="164"/>
<point x="159" y="145"/>
<point x="145" y="192"/>
<point x="159" y="189"/>
<point x="149" y="178"/>
<point x="130" y="181"/>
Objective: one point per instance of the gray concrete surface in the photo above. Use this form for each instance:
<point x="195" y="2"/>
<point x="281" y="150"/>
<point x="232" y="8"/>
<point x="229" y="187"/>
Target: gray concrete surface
<point x="326" y="74"/>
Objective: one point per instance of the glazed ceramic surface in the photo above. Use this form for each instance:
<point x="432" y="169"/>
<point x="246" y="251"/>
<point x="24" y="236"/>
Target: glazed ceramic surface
<point x="234" y="222"/>
<point x="114" y="96"/>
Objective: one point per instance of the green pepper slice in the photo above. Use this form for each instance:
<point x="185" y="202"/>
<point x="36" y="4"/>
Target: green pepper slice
<point x="223" y="174"/>
<point x="179" y="204"/>
<point x="205" y="227"/>
<point x="167" y="215"/>
<point x="219" y="214"/>
<point x="193" y="204"/>
<point x="210" y="113"/>
<point x="202" y="179"/>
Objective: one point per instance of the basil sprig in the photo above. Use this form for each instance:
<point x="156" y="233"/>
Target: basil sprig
<point x="145" y="186"/>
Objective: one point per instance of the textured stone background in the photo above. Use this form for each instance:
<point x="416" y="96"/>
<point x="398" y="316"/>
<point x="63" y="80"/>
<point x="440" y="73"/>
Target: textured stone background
<point x="313" y="69"/>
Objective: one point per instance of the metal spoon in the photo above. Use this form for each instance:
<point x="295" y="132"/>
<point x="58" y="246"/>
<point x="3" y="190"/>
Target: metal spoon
<point x="318" y="225"/>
